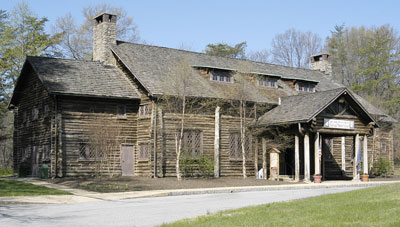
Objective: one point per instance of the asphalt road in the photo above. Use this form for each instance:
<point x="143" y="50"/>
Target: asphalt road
<point x="145" y="211"/>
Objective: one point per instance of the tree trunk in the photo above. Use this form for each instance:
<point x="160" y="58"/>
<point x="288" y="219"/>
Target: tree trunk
<point x="243" y="136"/>
<point x="179" y="142"/>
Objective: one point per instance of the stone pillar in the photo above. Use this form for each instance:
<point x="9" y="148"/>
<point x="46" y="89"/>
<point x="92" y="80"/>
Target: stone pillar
<point x="317" y="166"/>
<point x="306" y="157"/>
<point x="356" y="177"/>
<point x="365" y="155"/>
<point x="216" y="143"/>
<point x="296" y="158"/>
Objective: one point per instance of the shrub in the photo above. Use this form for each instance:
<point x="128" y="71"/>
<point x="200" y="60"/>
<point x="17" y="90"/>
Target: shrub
<point x="5" y="172"/>
<point x="382" y="167"/>
<point x="196" y="166"/>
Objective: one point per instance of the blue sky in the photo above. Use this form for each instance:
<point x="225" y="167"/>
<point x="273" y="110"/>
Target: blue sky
<point x="195" y="24"/>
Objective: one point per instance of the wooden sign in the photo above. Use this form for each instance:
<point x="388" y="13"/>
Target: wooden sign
<point x="338" y="123"/>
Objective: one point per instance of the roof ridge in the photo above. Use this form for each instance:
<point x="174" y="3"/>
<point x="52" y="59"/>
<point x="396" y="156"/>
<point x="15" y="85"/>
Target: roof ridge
<point x="200" y="53"/>
<point x="66" y="59"/>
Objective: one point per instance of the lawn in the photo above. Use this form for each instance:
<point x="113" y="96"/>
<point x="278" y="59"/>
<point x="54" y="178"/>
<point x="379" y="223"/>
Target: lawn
<point x="18" y="188"/>
<point x="378" y="206"/>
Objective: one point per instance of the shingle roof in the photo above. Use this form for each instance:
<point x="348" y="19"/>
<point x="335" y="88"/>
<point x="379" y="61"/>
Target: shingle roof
<point x="302" y="108"/>
<point x="154" y="67"/>
<point x="82" y="78"/>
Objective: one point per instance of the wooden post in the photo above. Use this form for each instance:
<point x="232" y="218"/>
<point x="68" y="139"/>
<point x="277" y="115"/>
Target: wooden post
<point x="356" y="177"/>
<point x="256" y="158"/>
<point x="343" y="149"/>
<point x="365" y="155"/>
<point x="317" y="166"/>
<point x="161" y="161"/>
<point x="216" y="142"/>
<point x="306" y="157"/>
<point x="296" y="158"/>
<point x="155" y="141"/>
<point x="264" y="151"/>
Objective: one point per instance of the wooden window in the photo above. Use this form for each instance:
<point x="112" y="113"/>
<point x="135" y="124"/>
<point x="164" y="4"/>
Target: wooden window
<point x="46" y="153"/>
<point x="235" y="146"/>
<point x="35" y="113"/>
<point x="305" y="87"/>
<point x="192" y="143"/>
<point x="221" y="77"/>
<point x="121" y="111"/>
<point x="46" y="110"/>
<point x="264" y="81"/>
<point x="144" y="152"/>
<point x="144" y="110"/>
<point x="87" y="152"/>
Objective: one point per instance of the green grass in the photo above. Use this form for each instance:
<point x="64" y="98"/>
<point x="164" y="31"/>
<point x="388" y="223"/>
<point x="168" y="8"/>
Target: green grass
<point x="378" y="206"/>
<point x="18" y="188"/>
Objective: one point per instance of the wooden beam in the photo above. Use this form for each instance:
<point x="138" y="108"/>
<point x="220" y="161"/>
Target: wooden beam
<point x="343" y="152"/>
<point x="264" y="149"/>
<point x="296" y="158"/>
<point x="317" y="166"/>
<point x="356" y="177"/>
<point x="365" y="155"/>
<point x="306" y="157"/>
<point x="217" y="142"/>
<point x="256" y="158"/>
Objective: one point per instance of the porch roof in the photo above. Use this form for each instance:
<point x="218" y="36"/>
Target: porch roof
<point x="303" y="108"/>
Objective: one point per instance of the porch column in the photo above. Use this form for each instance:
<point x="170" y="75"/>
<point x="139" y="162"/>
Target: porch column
<point x="264" y="158"/>
<point x="296" y="159"/>
<point x="306" y="157"/>
<point x="317" y="151"/>
<point x="216" y="142"/>
<point x="343" y="149"/>
<point x="356" y="177"/>
<point x="365" y="155"/>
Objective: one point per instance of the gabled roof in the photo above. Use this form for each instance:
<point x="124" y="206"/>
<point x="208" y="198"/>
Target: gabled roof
<point x="303" y="108"/>
<point x="154" y="67"/>
<point x="79" y="78"/>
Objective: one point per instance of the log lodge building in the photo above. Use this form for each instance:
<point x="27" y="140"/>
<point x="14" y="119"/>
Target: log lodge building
<point x="333" y="131"/>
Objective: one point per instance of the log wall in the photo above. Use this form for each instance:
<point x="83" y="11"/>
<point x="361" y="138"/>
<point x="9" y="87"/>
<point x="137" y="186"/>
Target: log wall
<point x="79" y="116"/>
<point x="31" y="133"/>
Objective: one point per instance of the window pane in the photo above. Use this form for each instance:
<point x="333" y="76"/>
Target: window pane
<point x="228" y="78"/>
<point x="221" y="77"/>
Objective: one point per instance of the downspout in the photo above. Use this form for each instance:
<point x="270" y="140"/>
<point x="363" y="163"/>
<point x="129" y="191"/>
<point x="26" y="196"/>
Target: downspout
<point x="300" y="131"/>
<point x="155" y="140"/>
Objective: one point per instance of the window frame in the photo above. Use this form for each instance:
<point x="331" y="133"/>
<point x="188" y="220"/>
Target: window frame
<point x="148" y="149"/>
<point x="237" y="146"/>
<point x="144" y="110"/>
<point x="265" y="81"/>
<point x="196" y="149"/>
<point x="221" y="77"/>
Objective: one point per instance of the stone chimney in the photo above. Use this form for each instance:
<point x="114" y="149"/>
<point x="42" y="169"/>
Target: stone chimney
<point x="104" y="35"/>
<point x="322" y="63"/>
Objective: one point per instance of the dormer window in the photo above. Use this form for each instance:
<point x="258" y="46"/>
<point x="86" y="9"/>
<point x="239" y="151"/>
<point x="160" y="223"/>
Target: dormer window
<point x="265" y="81"/>
<point x="305" y="87"/>
<point x="221" y="77"/>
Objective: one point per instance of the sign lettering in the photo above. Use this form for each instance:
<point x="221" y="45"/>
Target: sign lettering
<point x="340" y="124"/>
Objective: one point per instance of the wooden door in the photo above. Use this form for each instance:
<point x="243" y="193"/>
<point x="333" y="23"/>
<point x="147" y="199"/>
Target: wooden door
<point x="35" y="161"/>
<point x="127" y="159"/>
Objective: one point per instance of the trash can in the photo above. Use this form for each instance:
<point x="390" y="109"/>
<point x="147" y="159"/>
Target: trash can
<point x="44" y="171"/>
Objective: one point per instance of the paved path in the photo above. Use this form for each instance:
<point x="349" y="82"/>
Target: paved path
<point x="147" y="211"/>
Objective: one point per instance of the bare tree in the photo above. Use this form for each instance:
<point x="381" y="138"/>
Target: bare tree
<point x="77" y="41"/>
<point x="105" y="138"/>
<point x="263" y="56"/>
<point x="241" y="96"/>
<point x="294" y="48"/>
<point x="179" y="103"/>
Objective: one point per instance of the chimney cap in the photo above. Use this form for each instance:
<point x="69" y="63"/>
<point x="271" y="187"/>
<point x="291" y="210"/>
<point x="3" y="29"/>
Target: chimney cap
<point x="104" y="13"/>
<point x="320" y="54"/>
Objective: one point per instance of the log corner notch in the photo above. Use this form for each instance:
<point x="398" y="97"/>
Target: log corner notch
<point x="217" y="142"/>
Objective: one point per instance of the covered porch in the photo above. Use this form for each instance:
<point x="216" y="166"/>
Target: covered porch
<point x="328" y="134"/>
